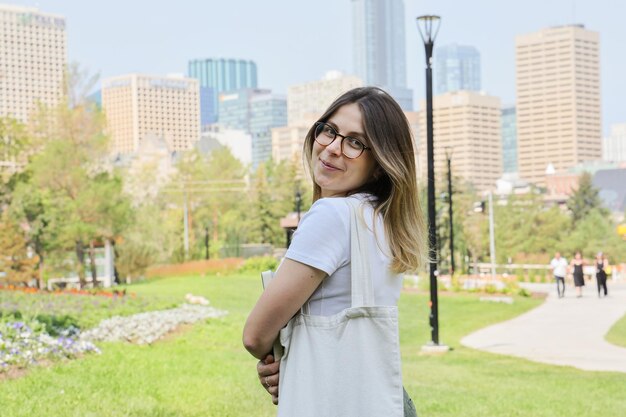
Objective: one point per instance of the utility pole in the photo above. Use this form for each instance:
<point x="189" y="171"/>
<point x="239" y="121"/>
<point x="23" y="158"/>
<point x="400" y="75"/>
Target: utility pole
<point x="186" y="221"/>
<point x="452" y="268"/>
<point x="492" y="240"/>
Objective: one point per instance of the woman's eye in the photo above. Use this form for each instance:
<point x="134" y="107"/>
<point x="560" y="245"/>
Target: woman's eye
<point x="354" y="143"/>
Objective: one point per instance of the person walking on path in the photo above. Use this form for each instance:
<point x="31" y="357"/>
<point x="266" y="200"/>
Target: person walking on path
<point x="559" y="270"/>
<point x="602" y="264"/>
<point x="360" y="154"/>
<point x="577" y="265"/>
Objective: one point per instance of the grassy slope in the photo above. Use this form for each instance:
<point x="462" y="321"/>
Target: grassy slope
<point x="206" y="372"/>
<point x="617" y="334"/>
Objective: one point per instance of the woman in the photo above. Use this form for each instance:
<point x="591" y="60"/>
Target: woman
<point x="577" y="265"/>
<point x="361" y="148"/>
<point x="602" y="264"/>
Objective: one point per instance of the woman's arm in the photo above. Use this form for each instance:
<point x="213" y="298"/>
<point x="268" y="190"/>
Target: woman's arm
<point x="291" y="287"/>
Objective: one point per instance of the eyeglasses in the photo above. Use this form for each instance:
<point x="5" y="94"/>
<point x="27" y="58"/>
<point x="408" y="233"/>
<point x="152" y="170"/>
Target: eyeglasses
<point x="325" y="134"/>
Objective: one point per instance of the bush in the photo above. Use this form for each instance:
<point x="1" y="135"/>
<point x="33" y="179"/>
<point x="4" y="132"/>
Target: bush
<point x="491" y="289"/>
<point x="211" y="266"/>
<point x="259" y="264"/>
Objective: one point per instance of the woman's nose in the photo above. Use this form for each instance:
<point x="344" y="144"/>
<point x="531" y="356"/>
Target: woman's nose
<point x="335" y="146"/>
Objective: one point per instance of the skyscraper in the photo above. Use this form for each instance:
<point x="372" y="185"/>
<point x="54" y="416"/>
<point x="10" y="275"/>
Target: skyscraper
<point x="466" y="125"/>
<point x="138" y="106"/>
<point x="32" y="60"/>
<point x="457" y="67"/>
<point x="558" y="100"/>
<point x="267" y="111"/>
<point x="614" y="145"/>
<point x="234" y="108"/>
<point x="379" y="53"/>
<point x="255" y="111"/>
<point x="509" y="140"/>
<point x="217" y="76"/>
<point x="306" y="102"/>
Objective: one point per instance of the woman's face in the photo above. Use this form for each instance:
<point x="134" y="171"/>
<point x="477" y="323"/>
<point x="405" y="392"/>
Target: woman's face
<point x="335" y="174"/>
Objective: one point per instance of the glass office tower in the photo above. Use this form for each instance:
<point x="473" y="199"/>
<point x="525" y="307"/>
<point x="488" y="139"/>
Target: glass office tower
<point x="217" y="76"/>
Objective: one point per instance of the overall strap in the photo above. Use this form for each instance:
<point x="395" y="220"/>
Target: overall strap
<point x="361" y="279"/>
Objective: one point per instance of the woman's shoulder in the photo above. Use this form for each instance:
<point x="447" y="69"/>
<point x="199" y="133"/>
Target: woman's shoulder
<point x="339" y="204"/>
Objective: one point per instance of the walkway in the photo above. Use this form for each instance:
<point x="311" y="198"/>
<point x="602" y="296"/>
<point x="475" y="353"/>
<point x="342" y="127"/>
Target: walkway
<point x="562" y="331"/>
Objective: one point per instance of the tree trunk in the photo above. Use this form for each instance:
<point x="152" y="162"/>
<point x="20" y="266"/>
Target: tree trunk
<point x="116" y="274"/>
<point x="40" y="282"/>
<point x="39" y="252"/>
<point x="92" y="264"/>
<point x="80" y="268"/>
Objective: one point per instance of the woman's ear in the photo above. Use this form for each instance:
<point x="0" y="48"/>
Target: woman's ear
<point x="378" y="172"/>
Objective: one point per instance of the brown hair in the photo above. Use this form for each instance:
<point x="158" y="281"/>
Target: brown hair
<point x="395" y="183"/>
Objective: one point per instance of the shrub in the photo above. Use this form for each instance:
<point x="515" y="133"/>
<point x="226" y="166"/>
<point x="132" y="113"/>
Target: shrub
<point x="211" y="266"/>
<point x="259" y="264"/>
<point x="491" y="289"/>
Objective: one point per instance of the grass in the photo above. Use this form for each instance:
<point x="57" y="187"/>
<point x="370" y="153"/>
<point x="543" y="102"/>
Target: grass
<point x="205" y="371"/>
<point x="617" y="334"/>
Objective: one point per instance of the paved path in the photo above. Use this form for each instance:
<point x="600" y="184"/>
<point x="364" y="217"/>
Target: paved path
<point x="562" y="331"/>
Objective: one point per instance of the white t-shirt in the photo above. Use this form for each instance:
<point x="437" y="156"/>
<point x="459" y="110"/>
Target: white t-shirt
<point x="559" y="267"/>
<point x="322" y="241"/>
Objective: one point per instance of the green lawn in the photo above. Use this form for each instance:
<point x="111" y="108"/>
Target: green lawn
<point x="617" y="334"/>
<point x="204" y="371"/>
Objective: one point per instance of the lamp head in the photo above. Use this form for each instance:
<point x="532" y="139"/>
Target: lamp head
<point x="428" y="26"/>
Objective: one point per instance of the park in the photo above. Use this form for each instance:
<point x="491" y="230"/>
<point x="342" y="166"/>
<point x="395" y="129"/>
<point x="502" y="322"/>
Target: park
<point x="201" y="369"/>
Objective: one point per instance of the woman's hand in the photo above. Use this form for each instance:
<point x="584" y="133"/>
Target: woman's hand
<point x="268" y="371"/>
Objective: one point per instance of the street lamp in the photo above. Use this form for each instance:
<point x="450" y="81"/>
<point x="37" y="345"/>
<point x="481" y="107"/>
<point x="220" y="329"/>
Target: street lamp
<point x="449" y="158"/>
<point x="206" y="242"/>
<point x="428" y="26"/>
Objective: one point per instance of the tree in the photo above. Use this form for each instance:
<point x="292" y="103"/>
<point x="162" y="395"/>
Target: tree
<point x="584" y="199"/>
<point x="15" y="261"/>
<point x="14" y="141"/>
<point x="594" y="233"/>
<point x="85" y="200"/>
<point x="213" y="190"/>
<point x="30" y="207"/>
<point x="528" y="231"/>
<point x="273" y="197"/>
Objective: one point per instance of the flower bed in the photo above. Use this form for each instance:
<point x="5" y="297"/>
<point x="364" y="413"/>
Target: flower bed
<point x="146" y="328"/>
<point x="70" y="291"/>
<point x="23" y="344"/>
<point x="64" y="309"/>
<point x="211" y="266"/>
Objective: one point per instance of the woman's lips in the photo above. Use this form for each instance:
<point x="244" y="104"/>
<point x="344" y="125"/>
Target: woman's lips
<point x="329" y="165"/>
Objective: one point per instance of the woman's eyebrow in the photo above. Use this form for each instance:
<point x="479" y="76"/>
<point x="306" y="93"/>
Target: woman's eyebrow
<point x="360" y="135"/>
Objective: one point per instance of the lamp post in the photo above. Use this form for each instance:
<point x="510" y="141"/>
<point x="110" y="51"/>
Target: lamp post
<point x="428" y="26"/>
<point x="298" y="204"/>
<point x="206" y="242"/>
<point x="449" y="158"/>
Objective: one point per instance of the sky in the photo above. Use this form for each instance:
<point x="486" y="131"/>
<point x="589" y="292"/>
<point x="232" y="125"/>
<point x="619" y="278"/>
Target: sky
<point x="297" y="41"/>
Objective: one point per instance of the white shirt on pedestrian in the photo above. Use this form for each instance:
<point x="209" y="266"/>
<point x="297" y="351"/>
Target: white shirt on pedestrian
<point x="559" y="267"/>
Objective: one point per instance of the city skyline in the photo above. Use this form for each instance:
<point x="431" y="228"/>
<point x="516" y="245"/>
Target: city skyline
<point x="155" y="38"/>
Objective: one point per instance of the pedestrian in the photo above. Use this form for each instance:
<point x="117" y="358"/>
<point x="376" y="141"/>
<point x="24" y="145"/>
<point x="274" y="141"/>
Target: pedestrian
<point x="602" y="266"/>
<point x="361" y="159"/>
<point x="576" y="266"/>
<point x="558" y="265"/>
